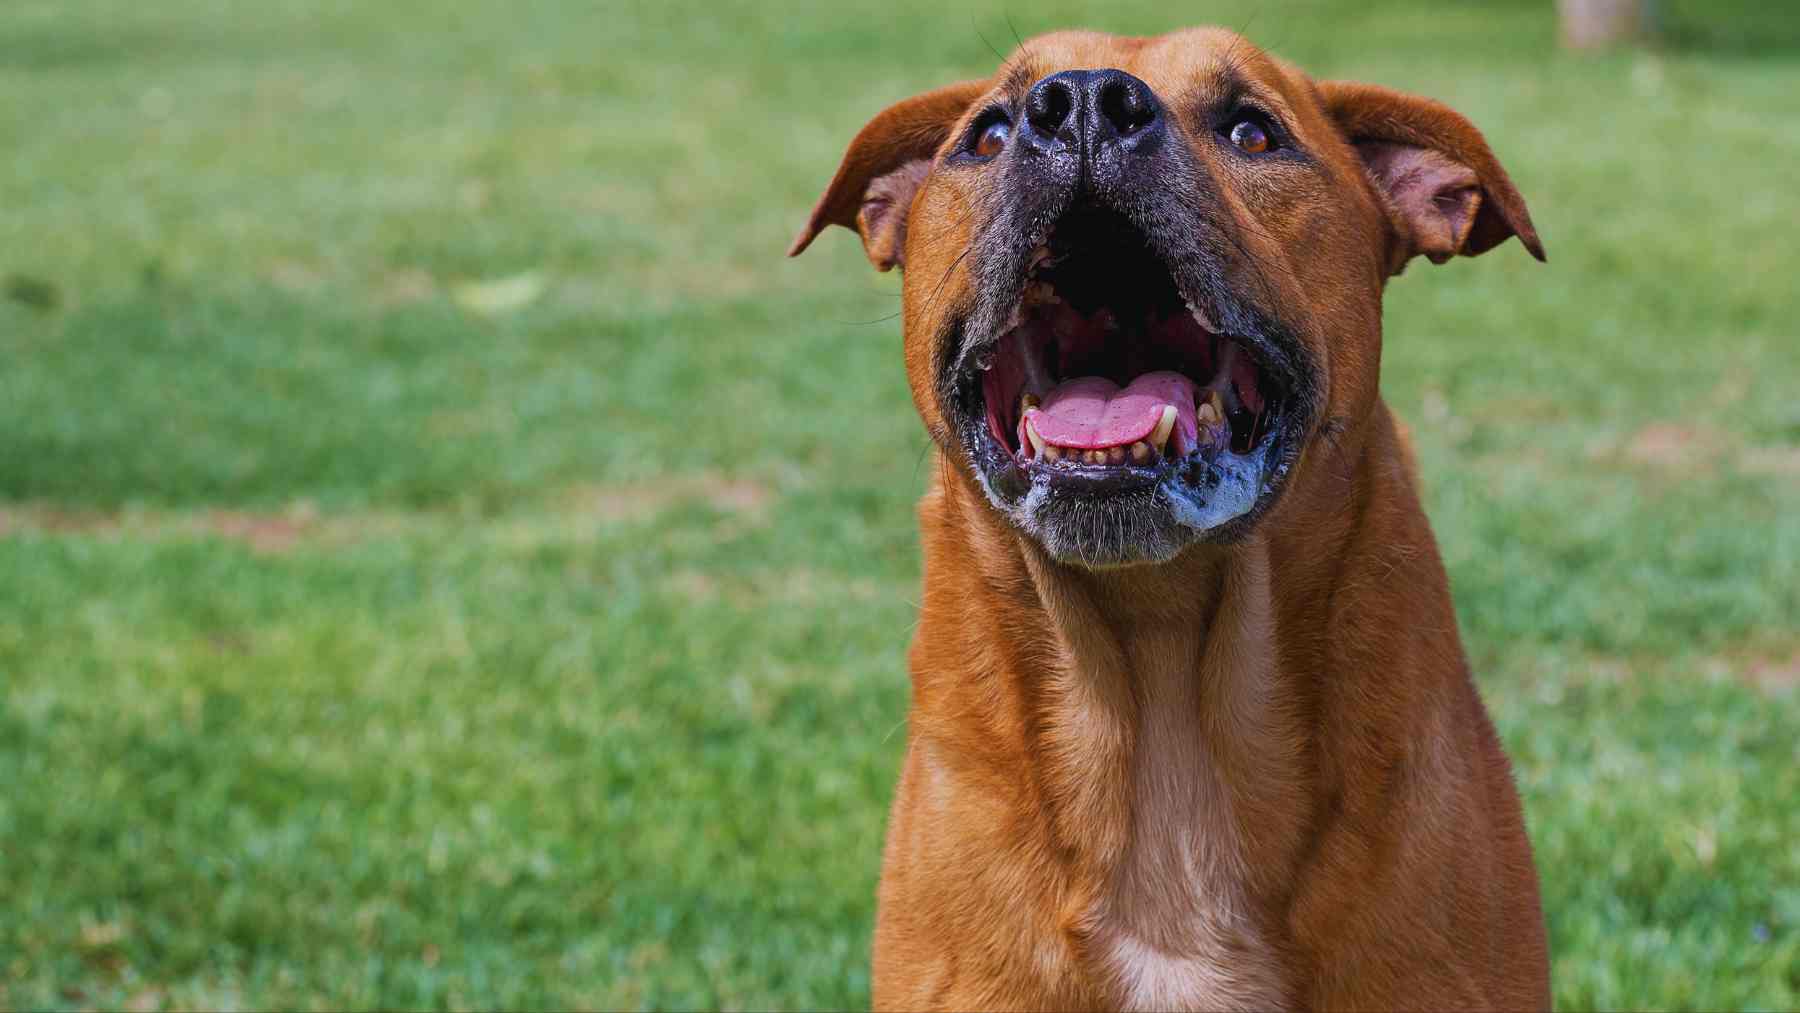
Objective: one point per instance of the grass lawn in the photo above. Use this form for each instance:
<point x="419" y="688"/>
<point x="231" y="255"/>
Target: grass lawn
<point x="448" y="558"/>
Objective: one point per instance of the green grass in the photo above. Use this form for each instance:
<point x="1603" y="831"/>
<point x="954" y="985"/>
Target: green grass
<point x="361" y="648"/>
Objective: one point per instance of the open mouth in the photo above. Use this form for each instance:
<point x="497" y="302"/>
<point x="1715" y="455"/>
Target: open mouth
<point x="1108" y="365"/>
<point x="1109" y="386"/>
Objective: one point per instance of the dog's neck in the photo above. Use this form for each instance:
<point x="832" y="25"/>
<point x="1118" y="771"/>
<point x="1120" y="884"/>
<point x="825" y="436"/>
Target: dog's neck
<point x="1124" y="682"/>
<point x="1159" y="724"/>
<point x="1177" y="669"/>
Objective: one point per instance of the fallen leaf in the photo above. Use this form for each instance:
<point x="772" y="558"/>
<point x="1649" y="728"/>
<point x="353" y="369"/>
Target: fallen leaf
<point x="499" y="295"/>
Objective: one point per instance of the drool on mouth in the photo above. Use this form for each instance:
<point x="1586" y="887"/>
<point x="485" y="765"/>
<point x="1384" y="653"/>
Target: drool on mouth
<point x="1106" y="365"/>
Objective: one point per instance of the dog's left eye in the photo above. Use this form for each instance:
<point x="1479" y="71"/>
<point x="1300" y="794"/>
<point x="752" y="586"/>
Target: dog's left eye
<point x="1249" y="135"/>
<point x="992" y="139"/>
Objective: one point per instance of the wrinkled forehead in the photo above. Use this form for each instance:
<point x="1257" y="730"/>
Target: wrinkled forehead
<point x="1188" y="70"/>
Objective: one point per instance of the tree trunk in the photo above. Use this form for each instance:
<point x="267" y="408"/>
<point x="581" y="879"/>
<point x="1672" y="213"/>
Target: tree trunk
<point x="1594" y="24"/>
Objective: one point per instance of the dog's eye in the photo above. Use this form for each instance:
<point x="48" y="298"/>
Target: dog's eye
<point x="992" y="139"/>
<point x="1248" y="133"/>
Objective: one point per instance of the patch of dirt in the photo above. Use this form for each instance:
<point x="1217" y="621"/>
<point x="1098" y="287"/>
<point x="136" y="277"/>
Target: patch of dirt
<point x="268" y="533"/>
<point x="1773" y="667"/>
<point x="630" y="501"/>
<point x="1670" y="446"/>
<point x="800" y="587"/>
<point x="1773" y="461"/>
<point x="1773" y="673"/>
<point x="604" y="197"/>
<point x="295" y="276"/>
<point x="1681" y="450"/>
<point x="404" y="287"/>
<point x="693" y="585"/>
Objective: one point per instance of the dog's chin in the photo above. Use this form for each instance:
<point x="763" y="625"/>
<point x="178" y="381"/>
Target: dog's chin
<point x="1108" y="417"/>
<point x="1098" y="519"/>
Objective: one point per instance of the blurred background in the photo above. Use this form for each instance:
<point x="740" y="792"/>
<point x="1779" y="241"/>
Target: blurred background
<point x="449" y="558"/>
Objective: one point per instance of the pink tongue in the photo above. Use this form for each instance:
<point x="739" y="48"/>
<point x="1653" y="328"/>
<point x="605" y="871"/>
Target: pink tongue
<point x="1092" y="412"/>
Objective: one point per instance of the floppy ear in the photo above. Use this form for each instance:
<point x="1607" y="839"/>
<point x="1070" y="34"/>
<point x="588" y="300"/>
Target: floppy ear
<point x="874" y="187"/>
<point x="1445" y="191"/>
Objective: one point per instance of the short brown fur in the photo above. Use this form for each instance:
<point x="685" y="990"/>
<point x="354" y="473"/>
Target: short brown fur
<point x="1257" y="776"/>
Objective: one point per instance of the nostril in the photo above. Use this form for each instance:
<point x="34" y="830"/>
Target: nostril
<point x="1048" y="105"/>
<point x="1126" y="104"/>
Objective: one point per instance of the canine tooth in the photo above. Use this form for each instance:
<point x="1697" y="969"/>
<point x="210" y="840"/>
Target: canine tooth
<point x="1217" y="403"/>
<point x="1115" y="455"/>
<point x="1140" y="452"/>
<point x="1037" y="442"/>
<point x="1206" y="413"/>
<point x="1202" y="319"/>
<point x="1164" y="426"/>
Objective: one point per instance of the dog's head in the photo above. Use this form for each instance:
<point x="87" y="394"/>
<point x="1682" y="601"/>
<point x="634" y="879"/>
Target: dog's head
<point x="1141" y="276"/>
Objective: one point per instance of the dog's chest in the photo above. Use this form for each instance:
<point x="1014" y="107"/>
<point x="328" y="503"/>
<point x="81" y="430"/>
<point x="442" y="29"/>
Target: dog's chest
<point x="1177" y="926"/>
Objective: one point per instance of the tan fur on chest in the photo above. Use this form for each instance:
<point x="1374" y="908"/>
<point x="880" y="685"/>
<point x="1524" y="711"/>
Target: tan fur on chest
<point x="1179" y="918"/>
<point x="1166" y="797"/>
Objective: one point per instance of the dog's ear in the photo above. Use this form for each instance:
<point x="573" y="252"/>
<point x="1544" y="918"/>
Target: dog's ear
<point x="881" y="172"/>
<point x="1445" y="191"/>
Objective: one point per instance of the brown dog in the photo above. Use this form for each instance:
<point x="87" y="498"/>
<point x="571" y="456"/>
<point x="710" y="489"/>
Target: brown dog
<point x="1191" y="722"/>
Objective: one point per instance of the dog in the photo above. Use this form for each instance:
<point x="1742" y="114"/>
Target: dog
<point x="1191" y="722"/>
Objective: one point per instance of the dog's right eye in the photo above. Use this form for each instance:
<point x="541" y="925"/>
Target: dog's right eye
<point x="991" y="139"/>
<point x="1250" y="133"/>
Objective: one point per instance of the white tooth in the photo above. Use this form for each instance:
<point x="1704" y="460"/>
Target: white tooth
<point x="1202" y="319"/>
<point x="1206" y="413"/>
<point x="1164" y="426"/>
<point x="1037" y="442"/>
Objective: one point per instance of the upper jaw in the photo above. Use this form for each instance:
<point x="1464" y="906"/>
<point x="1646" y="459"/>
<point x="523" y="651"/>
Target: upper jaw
<point x="1206" y="477"/>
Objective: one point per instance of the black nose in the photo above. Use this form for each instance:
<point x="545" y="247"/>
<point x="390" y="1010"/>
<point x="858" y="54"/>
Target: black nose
<point x="1051" y="100"/>
<point x="1126" y="104"/>
<point x="1091" y="106"/>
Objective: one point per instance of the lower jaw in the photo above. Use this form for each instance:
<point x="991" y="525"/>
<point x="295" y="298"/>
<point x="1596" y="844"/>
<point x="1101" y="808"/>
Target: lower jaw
<point x="1105" y="515"/>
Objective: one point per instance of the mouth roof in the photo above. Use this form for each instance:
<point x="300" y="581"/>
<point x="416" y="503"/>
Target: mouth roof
<point x="1107" y="365"/>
